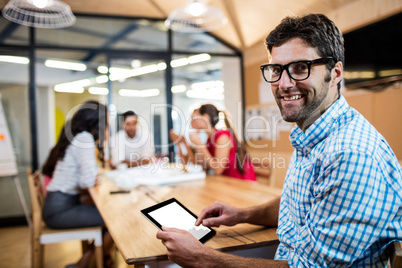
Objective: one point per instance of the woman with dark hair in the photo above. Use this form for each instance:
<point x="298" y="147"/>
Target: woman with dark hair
<point x="72" y="164"/>
<point x="223" y="153"/>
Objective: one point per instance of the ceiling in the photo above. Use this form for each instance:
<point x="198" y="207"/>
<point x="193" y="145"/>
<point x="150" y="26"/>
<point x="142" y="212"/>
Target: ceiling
<point x="248" y="21"/>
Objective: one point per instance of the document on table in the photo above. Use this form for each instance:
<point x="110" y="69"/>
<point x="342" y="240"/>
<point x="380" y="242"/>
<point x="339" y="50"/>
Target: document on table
<point x="154" y="174"/>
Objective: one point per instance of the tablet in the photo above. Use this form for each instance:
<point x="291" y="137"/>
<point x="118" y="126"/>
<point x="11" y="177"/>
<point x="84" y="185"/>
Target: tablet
<point x="171" y="213"/>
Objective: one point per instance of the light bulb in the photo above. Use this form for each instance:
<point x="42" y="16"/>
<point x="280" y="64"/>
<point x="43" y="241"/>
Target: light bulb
<point x="196" y="8"/>
<point x="40" y="3"/>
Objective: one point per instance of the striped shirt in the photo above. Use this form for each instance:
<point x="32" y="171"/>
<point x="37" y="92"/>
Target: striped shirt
<point x="78" y="169"/>
<point x="341" y="203"/>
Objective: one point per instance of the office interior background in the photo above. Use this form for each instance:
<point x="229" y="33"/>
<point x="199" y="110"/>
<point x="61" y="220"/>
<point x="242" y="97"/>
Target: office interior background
<point x="131" y="60"/>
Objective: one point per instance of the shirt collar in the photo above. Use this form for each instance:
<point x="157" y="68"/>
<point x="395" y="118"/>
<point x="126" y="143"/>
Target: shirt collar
<point x="320" y="129"/>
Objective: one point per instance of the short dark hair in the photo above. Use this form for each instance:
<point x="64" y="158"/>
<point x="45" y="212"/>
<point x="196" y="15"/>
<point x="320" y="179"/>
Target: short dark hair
<point x="127" y="114"/>
<point x="317" y="30"/>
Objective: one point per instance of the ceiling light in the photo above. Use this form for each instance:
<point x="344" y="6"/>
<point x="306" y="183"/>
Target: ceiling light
<point x="67" y="65"/>
<point x="119" y="73"/>
<point x="40" y="3"/>
<point x="196" y="8"/>
<point x="126" y="72"/>
<point x="39" y="13"/>
<point x="101" y="79"/>
<point x="212" y="85"/>
<point x="150" y="92"/>
<point x="129" y="93"/>
<point x="119" y="70"/>
<point x="144" y="70"/>
<point x="199" y="58"/>
<point x="196" y="16"/>
<point x="102" y="69"/>
<point x="98" y="90"/>
<point x="203" y="94"/>
<point x="178" y="89"/>
<point x="161" y="66"/>
<point x="179" y="62"/>
<point x="139" y="93"/>
<point x="72" y="87"/>
<point x="14" y="59"/>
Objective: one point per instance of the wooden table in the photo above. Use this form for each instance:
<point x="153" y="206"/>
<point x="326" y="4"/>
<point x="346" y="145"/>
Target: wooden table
<point x="135" y="236"/>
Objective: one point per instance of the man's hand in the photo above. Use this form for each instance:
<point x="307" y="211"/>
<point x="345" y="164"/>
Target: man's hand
<point x="182" y="247"/>
<point x="217" y="214"/>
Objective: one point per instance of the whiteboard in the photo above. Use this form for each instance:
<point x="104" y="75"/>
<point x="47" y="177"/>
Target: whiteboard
<point x="8" y="164"/>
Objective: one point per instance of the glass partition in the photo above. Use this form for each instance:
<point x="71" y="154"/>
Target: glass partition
<point x="215" y="80"/>
<point x="197" y="79"/>
<point x="138" y="84"/>
<point x="63" y="83"/>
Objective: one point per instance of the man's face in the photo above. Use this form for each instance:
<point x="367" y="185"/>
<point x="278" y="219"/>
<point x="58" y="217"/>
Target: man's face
<point x="302" y="101"/>
<point x="130" y="125"/>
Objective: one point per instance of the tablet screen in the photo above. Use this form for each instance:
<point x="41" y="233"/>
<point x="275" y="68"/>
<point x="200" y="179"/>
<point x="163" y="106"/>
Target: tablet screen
<point x="171" y="213"/>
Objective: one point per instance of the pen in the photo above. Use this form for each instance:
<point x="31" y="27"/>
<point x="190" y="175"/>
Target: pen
<point x="120" y="192"/>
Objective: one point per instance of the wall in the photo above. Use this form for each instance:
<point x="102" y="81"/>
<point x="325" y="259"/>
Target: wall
<point x="384" y="111"/>
<point x="231" y="77"/>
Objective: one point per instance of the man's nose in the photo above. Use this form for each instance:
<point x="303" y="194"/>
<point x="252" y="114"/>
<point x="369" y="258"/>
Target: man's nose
<point x="286" y="81"/>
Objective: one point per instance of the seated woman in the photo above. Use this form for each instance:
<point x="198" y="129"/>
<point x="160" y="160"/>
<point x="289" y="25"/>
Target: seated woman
<point x="223" y="154"/>
<point x="74" y="170"/>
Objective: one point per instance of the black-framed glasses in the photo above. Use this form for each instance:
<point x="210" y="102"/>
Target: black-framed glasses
<point x="297" y="70"/>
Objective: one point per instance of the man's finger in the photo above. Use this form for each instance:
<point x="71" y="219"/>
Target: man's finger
<point x="205" y="213"/>
<point x="171" y="229"/>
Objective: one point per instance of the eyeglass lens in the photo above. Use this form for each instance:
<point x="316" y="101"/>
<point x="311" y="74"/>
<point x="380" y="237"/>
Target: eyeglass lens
<point x="297" y="71"/>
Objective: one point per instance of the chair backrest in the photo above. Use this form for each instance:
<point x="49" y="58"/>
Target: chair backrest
<point x="395" y="260"/>
<point x="36" y="192"/>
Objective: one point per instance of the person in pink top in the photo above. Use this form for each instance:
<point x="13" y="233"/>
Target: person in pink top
<point x="223" y="153"/>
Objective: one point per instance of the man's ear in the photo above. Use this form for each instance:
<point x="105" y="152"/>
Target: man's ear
<point x="337" y="73"/>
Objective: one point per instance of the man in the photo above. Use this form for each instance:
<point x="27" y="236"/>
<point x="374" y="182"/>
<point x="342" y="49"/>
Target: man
<point x="341" y="203"/>
<point x="132" y="145"/>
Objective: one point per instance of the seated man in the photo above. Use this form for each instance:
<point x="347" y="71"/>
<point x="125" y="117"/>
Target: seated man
<point x="132" y="145"/>
<point x="341" y="203"/>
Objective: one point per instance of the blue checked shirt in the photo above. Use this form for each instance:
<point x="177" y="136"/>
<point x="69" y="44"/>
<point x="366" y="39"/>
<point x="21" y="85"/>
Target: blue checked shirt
<point x="341" y="204"/>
